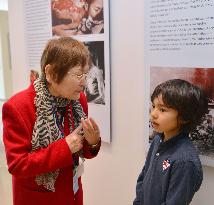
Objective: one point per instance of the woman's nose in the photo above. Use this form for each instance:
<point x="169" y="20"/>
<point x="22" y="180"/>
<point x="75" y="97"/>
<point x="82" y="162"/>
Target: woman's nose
<point x="83" y="81"/>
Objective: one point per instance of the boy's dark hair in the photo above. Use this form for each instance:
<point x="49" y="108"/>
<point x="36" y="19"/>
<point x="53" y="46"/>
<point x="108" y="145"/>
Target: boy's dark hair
<point x="189" y="100"/>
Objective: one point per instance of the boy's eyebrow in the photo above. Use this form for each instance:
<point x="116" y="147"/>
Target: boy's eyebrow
<point x="160" y="105"/>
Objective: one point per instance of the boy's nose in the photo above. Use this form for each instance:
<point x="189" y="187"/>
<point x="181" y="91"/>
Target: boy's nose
<point x="153" y="114"/>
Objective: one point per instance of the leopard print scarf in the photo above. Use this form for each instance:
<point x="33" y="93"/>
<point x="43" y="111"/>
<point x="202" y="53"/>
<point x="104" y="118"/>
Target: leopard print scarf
<point x="46" y="130"/>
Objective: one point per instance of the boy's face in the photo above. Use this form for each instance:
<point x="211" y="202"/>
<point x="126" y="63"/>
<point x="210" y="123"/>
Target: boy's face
<point x="164" y="119"/>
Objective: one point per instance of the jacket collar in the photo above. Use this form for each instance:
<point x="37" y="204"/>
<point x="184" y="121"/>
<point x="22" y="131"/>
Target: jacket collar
<point x="173" y="140"/>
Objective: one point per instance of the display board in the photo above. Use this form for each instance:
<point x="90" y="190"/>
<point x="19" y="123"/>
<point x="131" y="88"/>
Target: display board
<point x="87" y="21"/>
<point x="179" y="43"/>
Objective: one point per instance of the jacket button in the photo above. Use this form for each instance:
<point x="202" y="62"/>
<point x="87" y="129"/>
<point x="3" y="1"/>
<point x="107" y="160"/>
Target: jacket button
<point x="157" y="154"/>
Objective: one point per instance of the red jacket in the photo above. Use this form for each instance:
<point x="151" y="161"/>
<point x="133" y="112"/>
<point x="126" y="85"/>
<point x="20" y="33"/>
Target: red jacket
<point x="19" y="116"/>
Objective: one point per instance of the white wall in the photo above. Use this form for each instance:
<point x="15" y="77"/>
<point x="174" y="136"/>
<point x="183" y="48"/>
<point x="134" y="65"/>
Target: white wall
<point x="5" y="180"/>
<point x="5" y="91"/>
<point x="4" y="5"/>
<point x="2" y="90"/>
<point x="110" y="178"/>
<point x="5" y="177"/>
<point x="20" y="76"/>
<point x="5" y="67"/>
<point x="205" y="194"/>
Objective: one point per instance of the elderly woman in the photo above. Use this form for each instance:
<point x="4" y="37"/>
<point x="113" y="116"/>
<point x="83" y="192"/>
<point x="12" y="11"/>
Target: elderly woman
<point x="46" y="129"/>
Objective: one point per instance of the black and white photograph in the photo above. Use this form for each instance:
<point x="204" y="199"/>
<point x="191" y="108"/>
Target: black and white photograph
<point x="203" y="136"/>
<point x="95" y="81"/>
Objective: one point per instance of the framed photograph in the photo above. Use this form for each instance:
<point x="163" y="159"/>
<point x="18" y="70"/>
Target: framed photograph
<point x="84" y="20"/>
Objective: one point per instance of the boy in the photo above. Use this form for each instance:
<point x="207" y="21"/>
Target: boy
<point x="172" y="172"/>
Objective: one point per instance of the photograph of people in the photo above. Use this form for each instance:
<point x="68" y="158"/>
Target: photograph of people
<point x="46" y="131"/>
<point x="95" y="80"/>
<point x="76" y="17"/>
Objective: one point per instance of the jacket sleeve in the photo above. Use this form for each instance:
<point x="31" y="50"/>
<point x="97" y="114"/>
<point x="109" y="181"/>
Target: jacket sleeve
<point x="139" y="186"/>
<point x="185" y="181"/>
<point x="17" y="140"/>
<point x="88" y="153"/>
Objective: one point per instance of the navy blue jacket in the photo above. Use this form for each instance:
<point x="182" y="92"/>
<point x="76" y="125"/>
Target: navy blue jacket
<point x="172" y="173"/>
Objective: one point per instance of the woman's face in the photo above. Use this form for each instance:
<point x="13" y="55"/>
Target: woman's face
<point x="71" y="85"/>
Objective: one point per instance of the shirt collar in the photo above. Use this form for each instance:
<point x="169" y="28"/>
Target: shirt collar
<point x="172" y="141"/>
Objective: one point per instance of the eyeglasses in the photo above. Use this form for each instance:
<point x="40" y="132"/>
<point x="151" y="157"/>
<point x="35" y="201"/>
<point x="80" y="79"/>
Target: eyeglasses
<point x="79" y="76"/>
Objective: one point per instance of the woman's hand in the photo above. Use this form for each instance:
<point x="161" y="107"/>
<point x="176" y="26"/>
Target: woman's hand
<point x="75" y="140"/>
<point x="91" y="131"/>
